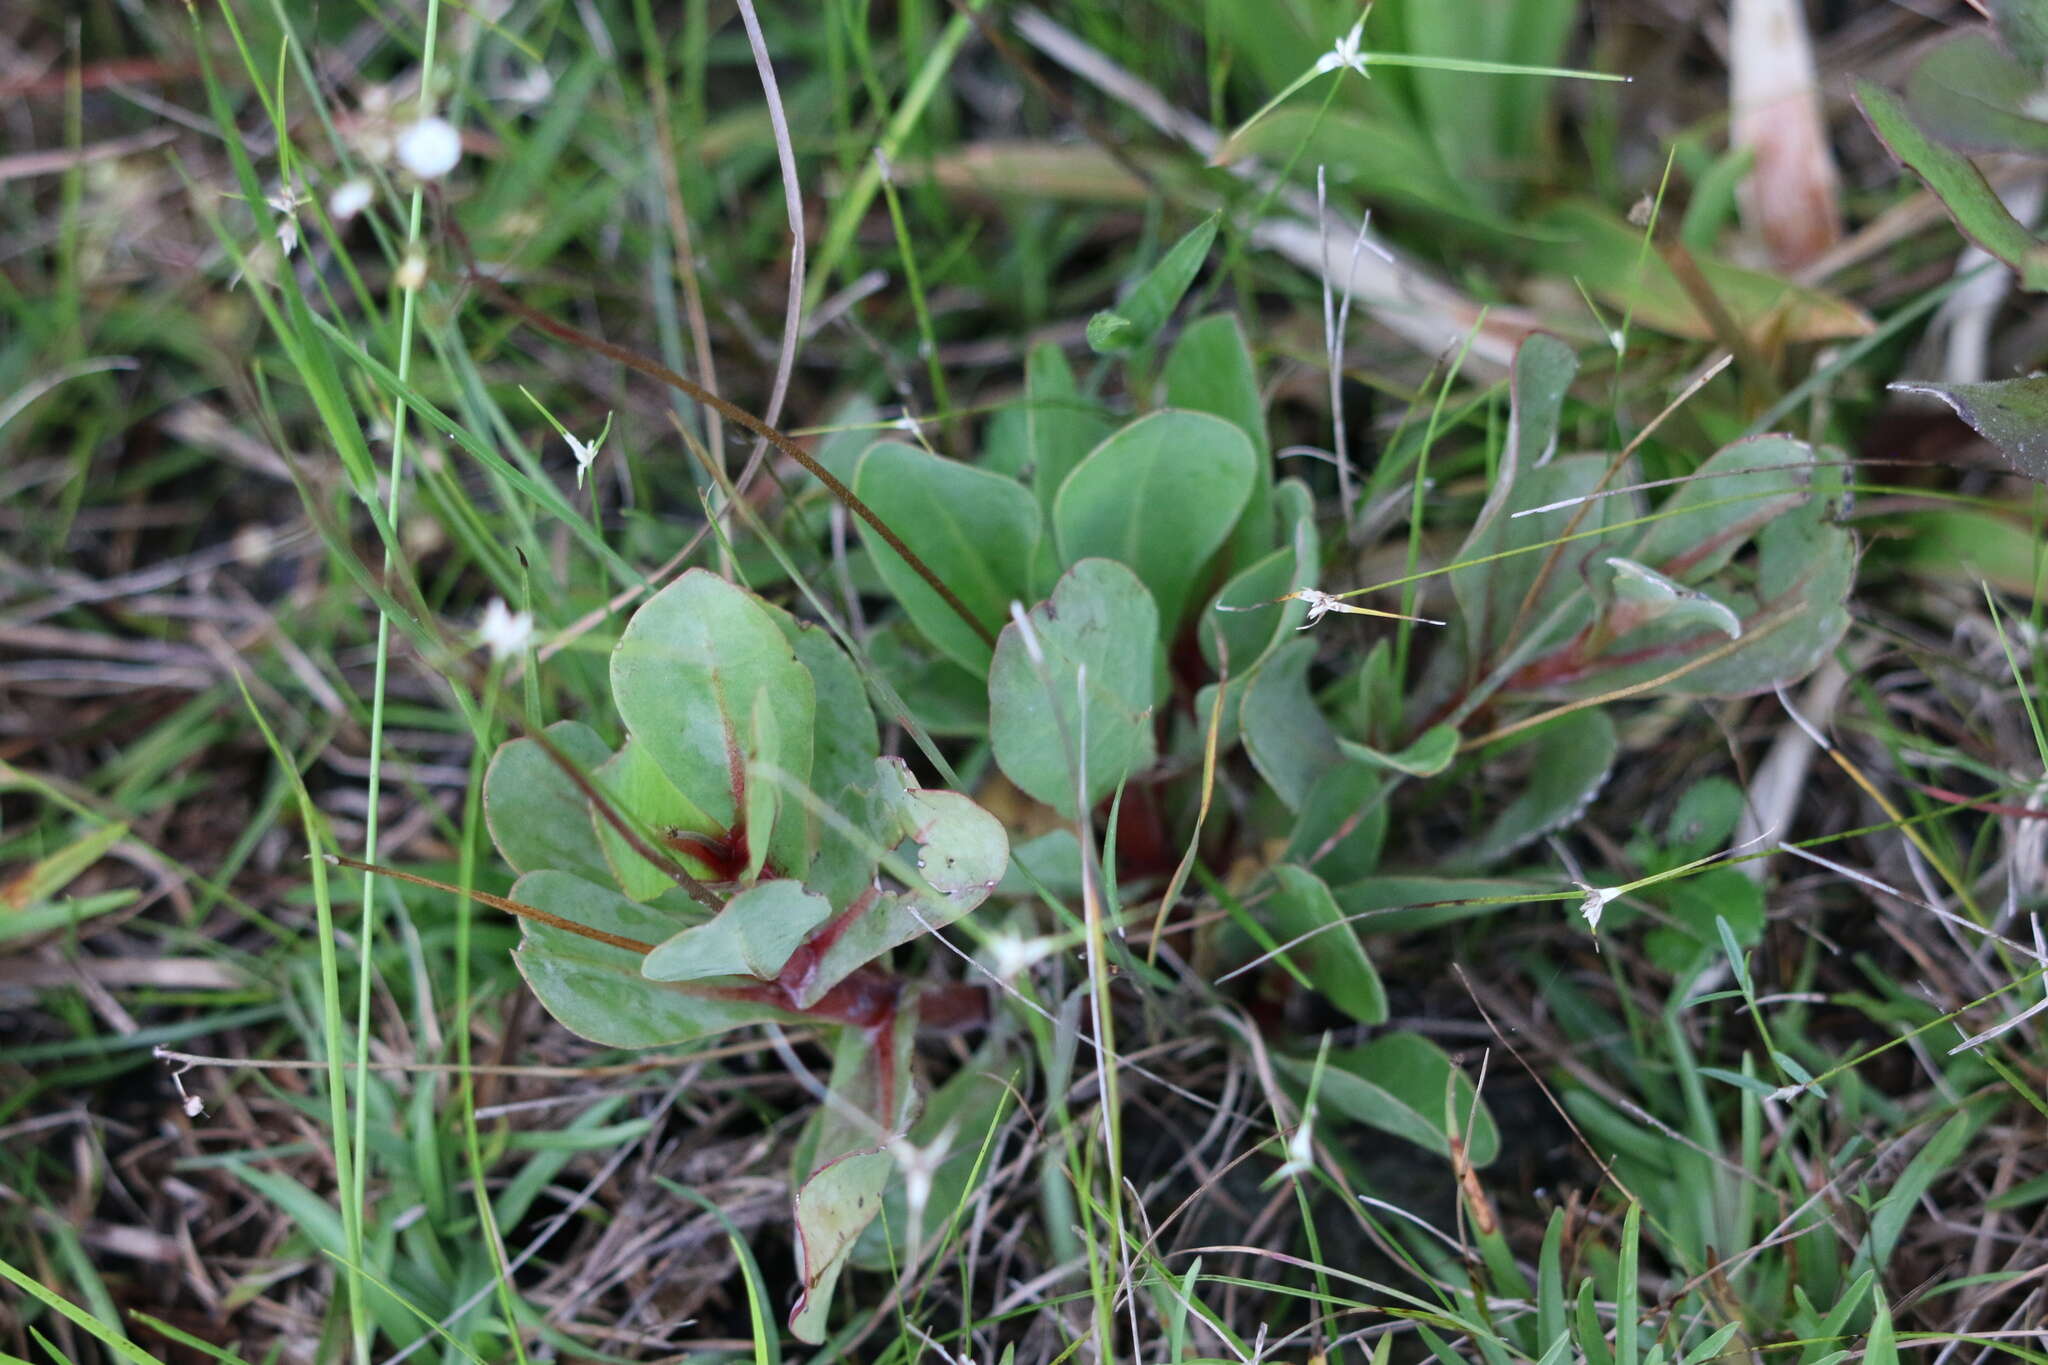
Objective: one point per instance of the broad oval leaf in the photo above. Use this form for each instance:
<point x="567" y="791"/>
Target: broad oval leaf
<point x="1284" y="731"/>
<point x="641" y="793"/>
<point x="686" y="675"/>
<point x="961" y="854"/>
<point x="843" y="746"/>
<point x="1568" y="763"/>
<point x="843" y="1164"/>
<point x="1303" y="909"/>
<point x="537" y="816"/>
<point x="1682" y="609"/>
<point x="1210" y="370"/>
<point x="597" y="991"/>
<point x="753" y="935"/>
<point x="1342" y="824"/>
<point x="2012" y="414"/>
<point x="1098" y="638"/>
<point x="976" y="530"/>
<point x="1160" y="496"/>
<point x="944" y="697"/>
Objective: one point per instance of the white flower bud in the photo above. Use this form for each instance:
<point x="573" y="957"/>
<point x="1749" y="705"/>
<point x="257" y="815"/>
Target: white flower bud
<point x="350" y="199"/>
<point x="429" y="148"/>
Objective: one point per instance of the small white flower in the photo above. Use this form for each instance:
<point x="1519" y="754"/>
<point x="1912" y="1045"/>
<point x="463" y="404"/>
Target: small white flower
<point x="920" y="1165"/>
<point x="286" y="200"/>
<point x="1595" y="903"/>
<point x="1009" y="956"/>
<point x="1301" y="1149"/>
<point x="506" y="633"/>
<point x="584" y="452"/>
<point x="1347" y="52"/>
<point x="429" y="148"/>
<point x="412" y="272"/>
<point x="584" y="455"/>
<point x="350" y="199"/>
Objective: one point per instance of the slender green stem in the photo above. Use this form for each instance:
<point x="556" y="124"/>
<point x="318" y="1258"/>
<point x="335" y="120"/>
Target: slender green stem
<point x="1415" y="509"/>
<point x="465" y="915"/>
<point x="367" y="931"/>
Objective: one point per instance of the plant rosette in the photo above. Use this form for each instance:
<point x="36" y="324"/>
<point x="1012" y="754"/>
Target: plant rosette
<point x="744" y="857"/>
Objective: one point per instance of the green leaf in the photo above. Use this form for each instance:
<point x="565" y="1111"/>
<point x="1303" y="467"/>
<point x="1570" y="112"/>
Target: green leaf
<point x="686" y="675"/>
<point x="1429" y="755"/>
<point x="30" y="887"/>
<point x="1336" y="961"/>
<point x="1100" y="622"/>
<point x="1695" y="906"/>
<point x="764" y="797"/>
<point x="1644" y="597"/>
<point x="2012" y="414"/>
<point x="1973" y="95"/>
<point x="957" y="1120"/>
<point x="1704" y="818"/>
<point x="1110" y="332"/>
<point x="961" y="854"/>
<point x="1405" y="1085"/>
<point x="842" y="1162"/>
<point x="1250" y="635"/>
<point x="1491" y="591"/>
<point x="1160" y="496"/>
<point x="641" y="792"/>
<point x="1569" y="759"/>
<point x="1790" y="602"/>
<point x="1342" y="824"/>
<point x="2023" y="24"/>
<point x="1542" y="375"/>
<point x="1384" y="159"/>
<point x="1550" y="1300"/>
<point x="1146" y="308"/>
<point x="1463" y="115"/>
<point x="1284" y="731"/>
<point x="537" y="817"/>
<point x="108" y="1334"/>
<point x="945" y="698"/>
<point x="1677" y="593"/>
<point x="1581" y="240"/>
<point x="1210" y="370"/>
<point x="975" y="530"/>
<point x="1881" y="1347"/>
<point x="754" y="935"/>
<point x="1062" y="426"/>
<point x="1742" y="488"/>
<point x="598" y="992"/>
<point x="843" y="748"/>
<point x="1957" y="183"/>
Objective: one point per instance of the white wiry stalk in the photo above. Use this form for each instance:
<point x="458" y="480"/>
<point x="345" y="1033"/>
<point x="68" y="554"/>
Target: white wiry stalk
<point x="793" y="204"/>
